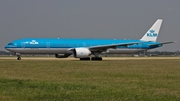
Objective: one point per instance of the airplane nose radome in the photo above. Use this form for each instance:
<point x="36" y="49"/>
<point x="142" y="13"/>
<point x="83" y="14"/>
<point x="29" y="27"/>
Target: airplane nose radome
<point x="6" y="47"/>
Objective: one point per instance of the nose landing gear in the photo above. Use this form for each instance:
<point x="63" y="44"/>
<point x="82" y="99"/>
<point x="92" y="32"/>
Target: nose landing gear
<point x="18" y="56"/>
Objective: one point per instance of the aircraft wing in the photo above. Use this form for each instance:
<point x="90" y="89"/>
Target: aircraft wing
<point x="151" y="45"/>
<point x="105" y="47"/>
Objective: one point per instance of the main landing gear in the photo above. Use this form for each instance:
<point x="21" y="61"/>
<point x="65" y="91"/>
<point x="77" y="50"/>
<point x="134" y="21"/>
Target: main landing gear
<point x="85" y="58"/>
<point x="96" y="58"/>
<point x="93" y="58"/>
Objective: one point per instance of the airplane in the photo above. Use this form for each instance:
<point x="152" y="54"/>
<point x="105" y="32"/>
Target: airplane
<point x="86" y="49"/>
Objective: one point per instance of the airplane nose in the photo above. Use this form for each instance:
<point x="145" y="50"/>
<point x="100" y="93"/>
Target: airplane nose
<point x="6" y="47"/>
<point x="9" y="45"/>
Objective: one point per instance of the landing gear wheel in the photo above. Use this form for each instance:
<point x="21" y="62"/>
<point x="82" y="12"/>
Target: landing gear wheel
<point x="85" y="59"/>
<point x="19" y="58"/>
<point x="96" y="58"/>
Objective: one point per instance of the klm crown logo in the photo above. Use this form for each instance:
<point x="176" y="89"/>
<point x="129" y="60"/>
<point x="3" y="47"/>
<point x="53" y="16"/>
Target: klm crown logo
<point x="34" y="42"/>
<point x="152" y="34"/>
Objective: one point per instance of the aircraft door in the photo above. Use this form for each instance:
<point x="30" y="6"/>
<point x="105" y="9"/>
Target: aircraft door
<point x="47" y="44"/>
<point x="84" y="44"/>
<point x="140" y="45"/>
<point x="23" y="45"/>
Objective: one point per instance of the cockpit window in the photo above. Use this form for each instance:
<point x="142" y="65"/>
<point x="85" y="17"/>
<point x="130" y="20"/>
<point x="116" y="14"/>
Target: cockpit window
<point x="10" y="44"/>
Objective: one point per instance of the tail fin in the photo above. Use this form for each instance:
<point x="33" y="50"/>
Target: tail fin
<point x="152" y="33"/>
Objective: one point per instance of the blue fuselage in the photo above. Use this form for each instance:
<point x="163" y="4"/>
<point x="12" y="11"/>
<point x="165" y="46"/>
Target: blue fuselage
<point x="63" y="46"/>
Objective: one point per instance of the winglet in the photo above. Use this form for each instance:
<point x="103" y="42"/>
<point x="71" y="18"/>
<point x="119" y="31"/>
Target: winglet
<point x="152" y="33"/>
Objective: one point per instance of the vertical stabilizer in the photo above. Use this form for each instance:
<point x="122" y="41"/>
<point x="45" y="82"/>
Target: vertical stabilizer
<point x="152" y="33"/>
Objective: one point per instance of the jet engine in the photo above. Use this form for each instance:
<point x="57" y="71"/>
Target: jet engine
<point x="62" y="55"/>
<point x="81" y="52"/>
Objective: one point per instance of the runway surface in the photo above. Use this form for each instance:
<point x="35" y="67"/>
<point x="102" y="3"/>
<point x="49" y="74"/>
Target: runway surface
<point x="104" y="58"/>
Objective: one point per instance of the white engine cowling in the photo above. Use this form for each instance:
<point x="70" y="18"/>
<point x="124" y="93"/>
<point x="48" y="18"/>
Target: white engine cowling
<point x="82" y="52"/>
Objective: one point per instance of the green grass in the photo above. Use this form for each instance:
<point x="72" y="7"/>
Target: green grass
<point x="57" y="80"/>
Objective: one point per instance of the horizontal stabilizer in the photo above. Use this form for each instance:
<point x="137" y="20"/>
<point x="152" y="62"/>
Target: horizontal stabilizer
<point x="168" y="42"/>
<point x="151" y="45"/>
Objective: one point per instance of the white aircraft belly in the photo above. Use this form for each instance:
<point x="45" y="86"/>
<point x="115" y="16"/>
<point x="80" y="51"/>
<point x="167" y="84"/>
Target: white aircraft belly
<point x="40" y="50"/>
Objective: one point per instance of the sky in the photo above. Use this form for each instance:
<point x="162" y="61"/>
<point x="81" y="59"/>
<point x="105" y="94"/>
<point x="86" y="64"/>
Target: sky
<point x="113" y="19"/>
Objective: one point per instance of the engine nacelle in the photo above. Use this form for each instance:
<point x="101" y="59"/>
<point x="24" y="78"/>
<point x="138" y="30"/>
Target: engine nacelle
<point x="81" y="52"/>
<point x="62" y="55"/>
